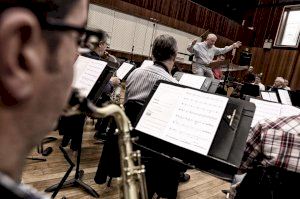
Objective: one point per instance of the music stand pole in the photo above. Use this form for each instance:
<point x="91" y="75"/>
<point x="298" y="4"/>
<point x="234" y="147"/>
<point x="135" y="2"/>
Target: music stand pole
<point x="77" y="181"/>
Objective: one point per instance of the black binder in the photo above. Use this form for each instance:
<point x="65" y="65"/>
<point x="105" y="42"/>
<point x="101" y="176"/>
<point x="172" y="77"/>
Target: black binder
<point x="210" y="84"/>
<point x="226" y="151"/>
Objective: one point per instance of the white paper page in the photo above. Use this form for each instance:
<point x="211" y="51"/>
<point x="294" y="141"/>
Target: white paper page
<point x="159" y="110"/>
<point x="194" y="81"/>
<point x="123" y="70"/>
<point x="86" y="73"/>
<point x="284" y="97"/>
<point x="273" y="97"/>
<point x="265" y="96"/>
<point x="184" y="117"/>
<point x="287" y="110"/>
<point x="264" y="110"/>
<point x="147" y="63"/>
<point x="195" y="122"/>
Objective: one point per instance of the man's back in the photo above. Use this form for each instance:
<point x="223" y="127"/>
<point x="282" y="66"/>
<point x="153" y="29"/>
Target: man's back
<point x="141" y="81"/>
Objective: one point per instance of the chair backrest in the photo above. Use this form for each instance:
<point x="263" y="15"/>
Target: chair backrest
<point x="133" y="109"/>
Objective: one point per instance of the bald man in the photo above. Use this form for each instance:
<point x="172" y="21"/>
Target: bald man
<point x="205" y="52"/>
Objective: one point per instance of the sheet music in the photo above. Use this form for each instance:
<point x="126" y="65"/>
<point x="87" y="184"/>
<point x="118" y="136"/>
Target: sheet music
<point x="194" y="81"/>
<point x="269" y="96"/>
<point x="123" y="70"/>
<point x="147" y="63"/>
<point x="265" y="96"/>
<point x="284" y="97"/>
<point x="273" y="97"/>
<point x="264" y="110"/>
<point x="86" y="73"/>
<point x="183" y="116"/>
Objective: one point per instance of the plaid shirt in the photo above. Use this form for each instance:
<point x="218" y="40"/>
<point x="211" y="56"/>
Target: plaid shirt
<point x="274" y="143"/>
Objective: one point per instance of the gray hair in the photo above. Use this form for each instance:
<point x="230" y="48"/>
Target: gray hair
<point x="164" y="48"/>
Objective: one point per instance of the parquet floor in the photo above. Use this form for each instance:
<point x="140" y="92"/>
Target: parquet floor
<point x="43" y="174"/>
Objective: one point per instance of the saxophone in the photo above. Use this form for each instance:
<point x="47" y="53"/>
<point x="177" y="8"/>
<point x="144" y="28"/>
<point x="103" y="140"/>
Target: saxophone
<point x="133" y="183"/>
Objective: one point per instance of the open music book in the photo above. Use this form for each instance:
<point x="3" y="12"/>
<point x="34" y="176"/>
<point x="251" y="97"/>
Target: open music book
<point x="269" y="96"/>
<point x="284" y="96"/>
<point x="124" y="70"/>
<point x="269" y="110"/>
<point x="182" y="116"/>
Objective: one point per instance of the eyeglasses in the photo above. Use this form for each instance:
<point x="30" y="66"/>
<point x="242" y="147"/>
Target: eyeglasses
<point x="84" y="34"/>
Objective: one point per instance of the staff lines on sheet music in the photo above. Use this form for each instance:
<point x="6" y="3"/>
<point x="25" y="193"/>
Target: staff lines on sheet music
<point x="186" y="141"/>
<point x="192" y="123"/>
<point x="196" y="135"/>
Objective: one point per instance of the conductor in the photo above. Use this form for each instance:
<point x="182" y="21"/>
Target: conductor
<point x="205" y="52"/>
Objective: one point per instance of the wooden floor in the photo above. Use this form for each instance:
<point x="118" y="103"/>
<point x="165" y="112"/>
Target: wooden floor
<point x="43" y="174"/>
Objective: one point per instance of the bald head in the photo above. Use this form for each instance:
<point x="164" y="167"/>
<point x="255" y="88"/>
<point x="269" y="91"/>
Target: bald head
<point x="211" y="40"/>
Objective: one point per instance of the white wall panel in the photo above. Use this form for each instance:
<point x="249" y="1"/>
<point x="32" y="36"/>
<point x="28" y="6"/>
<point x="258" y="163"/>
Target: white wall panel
<point x="127" y="31"/>
<point x="101" y="18"/>
<point x="122" y="37"/>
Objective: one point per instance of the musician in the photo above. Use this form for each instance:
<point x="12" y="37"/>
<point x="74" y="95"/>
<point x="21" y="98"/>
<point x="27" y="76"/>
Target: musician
<point x="100" y="49"/>
<point x="99" y="52"/>
<point x="205" y="52"/>
<point x="217" y="71"/>
<point x="271" y="160"/>
<point x="249" y="76"/>
<point x="162" y="176"/>
<point x="36" y="71"/>
<point x="286" y="85"/>
<point x="278" y="83"/>
<point x="258" y="82"/>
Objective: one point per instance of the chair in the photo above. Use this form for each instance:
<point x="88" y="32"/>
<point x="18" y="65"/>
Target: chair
<point x="269" y="183"/>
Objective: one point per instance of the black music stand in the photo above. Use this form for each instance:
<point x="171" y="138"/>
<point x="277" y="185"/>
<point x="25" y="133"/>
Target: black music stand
<point x="210" y="84"/>
<point x="93" y="96"/>
<point x="77" y="180"/>
<point x="226" y="151"/>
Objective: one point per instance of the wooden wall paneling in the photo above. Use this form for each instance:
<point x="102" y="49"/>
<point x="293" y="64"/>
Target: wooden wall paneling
<point x="295" y="80"/>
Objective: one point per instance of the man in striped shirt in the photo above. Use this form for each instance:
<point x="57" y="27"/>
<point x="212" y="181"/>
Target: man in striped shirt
<point x="141" y="81"/>
<point x="162" y="175"/>
<point x="272" y="144"/>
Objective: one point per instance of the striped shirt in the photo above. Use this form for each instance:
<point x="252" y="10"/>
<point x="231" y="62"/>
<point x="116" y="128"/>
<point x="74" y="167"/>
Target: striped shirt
<point x="205" y="55"/>
<point x="274" y="142"/>
<point x="141" y="81"/>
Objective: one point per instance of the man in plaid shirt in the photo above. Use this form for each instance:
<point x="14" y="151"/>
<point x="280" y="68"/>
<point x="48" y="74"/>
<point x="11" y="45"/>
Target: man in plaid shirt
<point x="274" y="144"/>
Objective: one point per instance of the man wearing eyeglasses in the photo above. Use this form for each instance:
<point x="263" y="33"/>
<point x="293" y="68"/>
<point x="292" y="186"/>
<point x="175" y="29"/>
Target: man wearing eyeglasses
<point x="38" y="45"/>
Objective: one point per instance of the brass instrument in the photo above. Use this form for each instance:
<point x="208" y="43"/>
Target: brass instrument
<point x="115" y="96"/>
<point x="133" y="184"/>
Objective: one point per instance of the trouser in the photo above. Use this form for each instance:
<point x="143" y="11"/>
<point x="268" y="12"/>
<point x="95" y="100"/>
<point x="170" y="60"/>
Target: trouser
<point x="202" y="70"/>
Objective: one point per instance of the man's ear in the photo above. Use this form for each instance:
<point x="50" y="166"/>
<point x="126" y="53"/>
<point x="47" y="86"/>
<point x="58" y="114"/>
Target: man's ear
<point x="20" y="37"/>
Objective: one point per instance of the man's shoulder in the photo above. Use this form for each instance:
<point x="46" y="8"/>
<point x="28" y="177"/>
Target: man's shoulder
<point x="281" y="122"/>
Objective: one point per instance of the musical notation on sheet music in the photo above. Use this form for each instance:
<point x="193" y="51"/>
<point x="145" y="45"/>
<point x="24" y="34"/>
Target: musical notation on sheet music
<point x="182" y="116"/>
<point x="269" y="96"/>
<point x="264" y="110"/>
<point x="123" y="70"/>
<point x="194" y="81"/>
<point x="284" y="97"/>
<point x="86" y="73"/>
<point x="270" y="110"/>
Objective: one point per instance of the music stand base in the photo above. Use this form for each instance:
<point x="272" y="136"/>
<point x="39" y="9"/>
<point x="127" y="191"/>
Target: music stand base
<point x="75" y="183"/>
